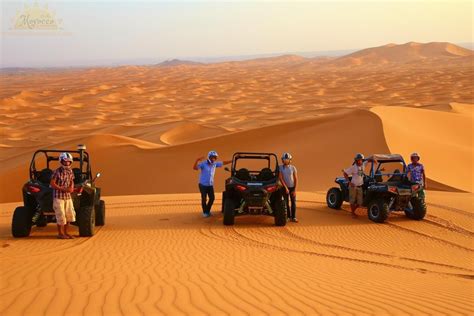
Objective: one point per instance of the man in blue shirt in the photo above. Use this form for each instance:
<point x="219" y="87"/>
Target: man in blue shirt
<point x="206" y="179"/>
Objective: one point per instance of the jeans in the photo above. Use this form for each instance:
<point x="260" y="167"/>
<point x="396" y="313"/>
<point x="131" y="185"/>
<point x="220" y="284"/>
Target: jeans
<point x="291" y="212"/>
<point x="205" y="192"/>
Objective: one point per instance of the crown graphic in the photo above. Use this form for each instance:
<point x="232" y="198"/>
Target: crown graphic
<point x="36" y="17"/>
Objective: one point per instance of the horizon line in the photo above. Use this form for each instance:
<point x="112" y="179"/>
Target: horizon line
<point x="207" y="60"/>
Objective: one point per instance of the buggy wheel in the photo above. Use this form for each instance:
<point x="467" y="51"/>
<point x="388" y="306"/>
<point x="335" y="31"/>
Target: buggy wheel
<point x="377" y="210"/>
<point x="42" y="221"/>
<point x="229" y="212"/>
<point x="334" y="198"/>
<point x="21" y="222"/>
<point x="417" y="210"/>
<point x="100" y="213"/>
<point x="223" y="202"/>
<point x="280" y="212"/>
<point x="86" y="221"/>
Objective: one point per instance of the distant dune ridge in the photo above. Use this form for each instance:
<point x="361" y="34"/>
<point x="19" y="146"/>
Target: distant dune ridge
<point x="144" y="126"/>
<point x="409" y="52"/>
<point x="177" y="62"/>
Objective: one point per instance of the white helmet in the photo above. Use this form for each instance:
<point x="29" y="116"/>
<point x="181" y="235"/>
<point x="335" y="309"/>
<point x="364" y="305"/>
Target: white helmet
<point x="65" y="157"/>
<point x="286" y="156"/>
<point x="212" y="153"/>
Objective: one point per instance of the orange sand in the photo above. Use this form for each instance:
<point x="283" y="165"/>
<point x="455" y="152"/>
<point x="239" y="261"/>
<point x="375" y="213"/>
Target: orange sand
<point x="157" y="255"/>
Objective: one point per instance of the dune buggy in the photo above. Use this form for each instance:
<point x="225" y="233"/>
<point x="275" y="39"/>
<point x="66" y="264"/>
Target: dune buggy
<point x="386" y="189"/>
<point x="37" y="206"/>
<point x="253" y="188"/>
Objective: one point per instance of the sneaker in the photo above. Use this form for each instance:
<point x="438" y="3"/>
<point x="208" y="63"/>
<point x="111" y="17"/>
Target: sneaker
<point x="206" y="214"/>
<point x="294" y="220"/>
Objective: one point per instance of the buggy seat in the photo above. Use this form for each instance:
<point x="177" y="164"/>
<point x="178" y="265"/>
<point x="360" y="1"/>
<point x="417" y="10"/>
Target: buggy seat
<point x="78" y="177"/>
<point x="265" y="174"/>
<point x="44" y="176"/>
<point x="396" y="177"/>
<point x="243" y="174"/>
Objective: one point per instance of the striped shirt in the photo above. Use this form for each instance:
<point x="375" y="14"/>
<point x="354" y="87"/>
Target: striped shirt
<point x="64" y="178"/>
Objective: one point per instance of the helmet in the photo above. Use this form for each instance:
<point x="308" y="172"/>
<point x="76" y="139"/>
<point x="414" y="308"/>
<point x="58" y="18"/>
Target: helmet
<point x="212" y="153"/>
<point x="65" y="157"/>
<point x="359" y="156"/>
<point x="286" y="156"/>
<point x="415" y="155"/>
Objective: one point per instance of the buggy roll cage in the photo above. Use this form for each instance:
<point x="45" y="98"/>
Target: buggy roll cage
<point x="83" y="158"/>
<point x="253" y="155"/>
<point x="381" y="162"/>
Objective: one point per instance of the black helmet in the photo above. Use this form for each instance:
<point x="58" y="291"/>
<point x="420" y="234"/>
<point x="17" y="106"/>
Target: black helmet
<point x="359" y="156"/>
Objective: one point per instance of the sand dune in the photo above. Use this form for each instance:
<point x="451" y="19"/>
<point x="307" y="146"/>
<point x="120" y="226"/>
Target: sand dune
<point x="187" y="132"/>
<point x="233" y="96"/>
<point x="462" y="108"/>
<point x="447" y="154"/>
<point x="320" y="147"/>
<point x="315" y="142"/>
<point x="408" y="52"/>
<point x="144" y="126"/>
<point x="156" y="255"/>
<point x="177" y="62"/>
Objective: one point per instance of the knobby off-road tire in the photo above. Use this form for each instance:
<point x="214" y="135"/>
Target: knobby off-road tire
<point x="377" y="210"/>
<point x="223" y="201"/>
<point x="21" y="222"/>
<point x="334" y="198"/>
<point x="85" y="219"/>
<point x="229" y="212"/>
<point x="100" y="213"/>
<point x="418" y="210"/>
<point x="280" y="212"/>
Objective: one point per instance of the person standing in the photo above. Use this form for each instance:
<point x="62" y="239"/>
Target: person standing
<point x="289" y="180"/>
<point x="356" y="171"/>
<point x="62" y="183"/>
<point x="206" y="179"/>
<point x="416" y="173"/>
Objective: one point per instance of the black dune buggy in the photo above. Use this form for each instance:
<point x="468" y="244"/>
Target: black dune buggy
<point x="383" y="191"/>
<point x="38" y="195"/>
<point x="253" y="188"/>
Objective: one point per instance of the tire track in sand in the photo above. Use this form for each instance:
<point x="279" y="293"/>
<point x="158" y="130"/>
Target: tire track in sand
<point x="253" y="242"/>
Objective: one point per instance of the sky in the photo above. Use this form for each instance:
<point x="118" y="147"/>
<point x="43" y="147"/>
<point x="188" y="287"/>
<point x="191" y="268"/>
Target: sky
<point x="107" y="32"/>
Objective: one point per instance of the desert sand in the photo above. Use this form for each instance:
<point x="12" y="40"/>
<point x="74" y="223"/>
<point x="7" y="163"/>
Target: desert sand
<point x="156" y="255"/>
<point x="144" y="127"/>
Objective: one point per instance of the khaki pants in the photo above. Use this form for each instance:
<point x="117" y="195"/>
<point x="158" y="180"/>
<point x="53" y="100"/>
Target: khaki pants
<point x="64" y="211"/>
<point x="355" y="195"/>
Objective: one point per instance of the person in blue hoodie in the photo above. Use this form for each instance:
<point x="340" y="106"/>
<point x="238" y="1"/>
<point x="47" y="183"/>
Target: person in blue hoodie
<point x="206" y="179"/>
